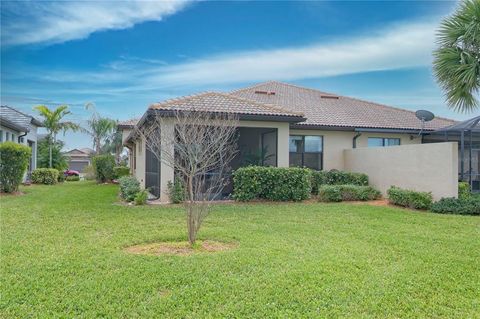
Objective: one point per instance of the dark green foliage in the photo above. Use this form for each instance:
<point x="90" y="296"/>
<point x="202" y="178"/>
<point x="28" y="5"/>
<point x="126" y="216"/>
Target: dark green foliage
<point x="409" y="198"/>
<point x="176" y="192"/>
<point x="141" y="197"/>
<point x="61" y="177"/>
<point x="59" y="161"/>
<point x="72" y="178"/>
<point x="336" y="177"/>
<point x="129" y="187"/>
<point x="461" y="206"/>
<point x="464" y="190"/>
<point x="13" y="164"/>
<point x="120" y="171"/>
<point x="338" y="193"/>
<point x="47" y="176"/>
<point x="103" y="166"/>
<point x="272" y="183"/>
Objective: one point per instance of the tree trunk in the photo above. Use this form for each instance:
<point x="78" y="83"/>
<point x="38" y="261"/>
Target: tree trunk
<point x="192" y="232"/>
<point x="50" y="154"/>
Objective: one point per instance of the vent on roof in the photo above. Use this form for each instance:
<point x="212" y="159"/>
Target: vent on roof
<point x="265" y="92"/>
<point x="329" y="97"/>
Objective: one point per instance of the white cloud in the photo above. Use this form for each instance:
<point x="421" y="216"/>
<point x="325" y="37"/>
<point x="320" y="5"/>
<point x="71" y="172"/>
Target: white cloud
<point x="27" y="22"/>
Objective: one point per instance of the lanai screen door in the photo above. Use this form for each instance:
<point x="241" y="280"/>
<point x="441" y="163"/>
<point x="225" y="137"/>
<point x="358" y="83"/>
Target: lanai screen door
<point x="152" y="173"/>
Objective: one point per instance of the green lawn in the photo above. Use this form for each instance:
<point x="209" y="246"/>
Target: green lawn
<point x="62" y="256"/>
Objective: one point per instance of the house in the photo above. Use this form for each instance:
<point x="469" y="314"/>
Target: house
<point x="78" y="159"/>
<point x="20" y="128"/>
<point x="305" y="127"/>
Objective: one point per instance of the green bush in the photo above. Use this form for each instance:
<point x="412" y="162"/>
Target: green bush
<point x="47" y="176"/>
<point x="272" y="183"/>
<point x="72" y="178"/>
<point x="461" y="206"/>
<point x="463" y="190"/>
<point x="120" y="171"/>
<point x="103" y="166"/>
<point x="89" y="173"/>
<point x="338" y="193"/>
<point x="141" y="197"/>
<point x="176" y="193"/>
<point x="61" y="177"/>
<point x="409" y="198"/>
<point x="336" y="177"/>
<point x="13" y="164"/>
<point x="129" y="187"/>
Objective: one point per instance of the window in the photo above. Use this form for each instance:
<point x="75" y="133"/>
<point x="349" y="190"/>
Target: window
<point x="306" y="151"/>
<point x="7" y="136"/>
<point x="22" y="140"/>
<point x="1" y="136"/>
<point x="13" y="137"/>
<point x="382" y="141"/>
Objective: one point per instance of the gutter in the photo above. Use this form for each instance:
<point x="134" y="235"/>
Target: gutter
<point x="20" y="136"/>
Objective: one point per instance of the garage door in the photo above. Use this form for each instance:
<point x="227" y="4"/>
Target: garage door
<point x="77" y="166"/>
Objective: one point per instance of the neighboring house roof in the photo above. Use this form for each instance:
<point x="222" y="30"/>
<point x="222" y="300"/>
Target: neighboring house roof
<point x="128" y="123"/>
<point x="83" y="152"/>
<point x="16" y="119"/>
<point x="225" y="103"/>
<point x="87" y="150"/>
<point x="330" y="110"/>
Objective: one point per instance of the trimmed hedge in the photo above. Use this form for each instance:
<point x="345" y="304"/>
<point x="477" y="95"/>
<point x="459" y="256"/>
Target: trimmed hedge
<point x="120" y="171"/>
<point x="409" y="198"/>
<point x="338" y="193"/>
<point x="336" y="177"/>
<point x="72" y="178"/>
<point x="129" y="187"/>
<point x="103" y="166"/>
<point x="176" y="193"/>
<point x="272" y="183"/>
<point x="461" y="206"/>
<point x="464" y="190"/>
<point x="13" y="164"/>
<point x="47" y="176"/>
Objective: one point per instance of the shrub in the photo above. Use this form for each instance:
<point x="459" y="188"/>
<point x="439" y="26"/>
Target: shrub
<point x="89" y="173"/>
<point x="141" y="197"/>
<point x="463" y="190"/>
<point x="272" y="183"/>
<point x="61" y="177"/>
<point x="72" y="178"/>
<point x="47" y="176"/>
<point x="336" y="177"/>
<point x="338" y="193"/>
<point x="120" y="171"/>
<point x="409" y="198"/>
<point x="13" y="164"/>
<point x="103" y="166"/>
<point x="129" y="187"/>
<point x="176" y="193"/>
<point x="461" y="206"/>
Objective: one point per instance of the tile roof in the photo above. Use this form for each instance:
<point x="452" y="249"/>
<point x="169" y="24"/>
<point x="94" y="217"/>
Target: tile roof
<point x="327" y="109"/>
<point x="221" y="102"/>
<point x="128" y="123"/>
<point x="19" y="120"/>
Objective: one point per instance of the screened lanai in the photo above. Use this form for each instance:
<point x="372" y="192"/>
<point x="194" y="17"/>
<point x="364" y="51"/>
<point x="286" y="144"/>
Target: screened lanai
<point x="467" y="134"/>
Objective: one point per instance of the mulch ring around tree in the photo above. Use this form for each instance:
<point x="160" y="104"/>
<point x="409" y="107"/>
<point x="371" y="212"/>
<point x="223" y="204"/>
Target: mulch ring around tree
<point x="180" y="248"/>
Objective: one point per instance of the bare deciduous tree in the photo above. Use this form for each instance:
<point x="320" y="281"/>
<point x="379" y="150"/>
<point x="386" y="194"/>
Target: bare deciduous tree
<point x="199" y="146"/>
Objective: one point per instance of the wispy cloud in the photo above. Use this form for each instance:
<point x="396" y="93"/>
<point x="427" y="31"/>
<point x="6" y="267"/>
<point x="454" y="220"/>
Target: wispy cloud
<point x="391" y="48"/>
<point x="29" y="22"/>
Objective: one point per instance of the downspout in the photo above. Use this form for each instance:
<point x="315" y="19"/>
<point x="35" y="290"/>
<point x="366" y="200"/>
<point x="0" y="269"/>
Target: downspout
<point x="354" y="141"/>
<point x="20" y="136"/>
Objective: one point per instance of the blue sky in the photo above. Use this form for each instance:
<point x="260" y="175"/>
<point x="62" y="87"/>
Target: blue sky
<point x="124" y="55"/>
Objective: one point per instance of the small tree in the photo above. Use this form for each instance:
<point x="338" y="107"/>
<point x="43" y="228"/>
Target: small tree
<point x="13" y="164"/>
<point x="199" y="146"/>
<point x="99" y="128"/>
<point x="59" y="161"/>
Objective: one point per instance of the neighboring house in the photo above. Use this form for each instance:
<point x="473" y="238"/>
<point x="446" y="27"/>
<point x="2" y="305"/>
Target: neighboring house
<point x="309" y="128"/>
<point x="78" y="159"/>
<point x="20" y="128"/>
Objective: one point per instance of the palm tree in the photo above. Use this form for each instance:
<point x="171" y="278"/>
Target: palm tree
<point x="52" y="120"/>
<point x="99" y="128"/>
<point x="457" y="60"/>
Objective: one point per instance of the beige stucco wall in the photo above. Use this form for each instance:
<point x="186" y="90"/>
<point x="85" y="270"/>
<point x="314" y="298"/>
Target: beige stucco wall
<point x="335" y="142"/>
<point x="425" y="167"/>
<point x="139" y="171"/>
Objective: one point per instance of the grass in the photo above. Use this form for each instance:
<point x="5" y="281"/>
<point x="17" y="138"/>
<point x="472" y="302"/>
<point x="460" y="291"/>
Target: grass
<point x="62" y="255"/>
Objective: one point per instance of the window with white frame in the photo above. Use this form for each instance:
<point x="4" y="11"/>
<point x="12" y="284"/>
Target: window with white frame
<point x="382" y="141"/>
